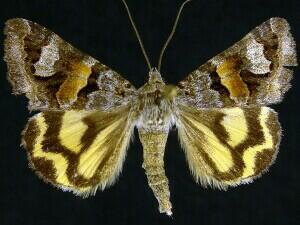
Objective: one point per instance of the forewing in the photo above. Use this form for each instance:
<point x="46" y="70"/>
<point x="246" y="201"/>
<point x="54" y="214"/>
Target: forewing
<point x="228" y="146"/>
<point x="78" y="151"/>
<point x="55" y="75"/>
<point x="251" y="72"/>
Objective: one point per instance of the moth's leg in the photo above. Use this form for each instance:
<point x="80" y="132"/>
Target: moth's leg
<point x="154" y="148"/>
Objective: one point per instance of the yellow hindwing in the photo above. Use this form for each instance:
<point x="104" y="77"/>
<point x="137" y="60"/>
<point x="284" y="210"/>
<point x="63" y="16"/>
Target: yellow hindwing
<point x="229" y="146"/>
<point x="78" y="150"/>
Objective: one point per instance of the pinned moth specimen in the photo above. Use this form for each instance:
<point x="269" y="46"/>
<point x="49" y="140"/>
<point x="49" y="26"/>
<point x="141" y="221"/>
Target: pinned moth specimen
<point x="78" y="140"/>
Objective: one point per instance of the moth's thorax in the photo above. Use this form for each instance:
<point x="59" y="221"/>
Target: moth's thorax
<point x="155" y="104"/>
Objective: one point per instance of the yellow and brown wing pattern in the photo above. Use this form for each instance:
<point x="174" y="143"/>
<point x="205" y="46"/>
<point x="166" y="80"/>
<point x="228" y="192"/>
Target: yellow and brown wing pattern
<point x="228" y="146"/>
<point x="78" y="151"/>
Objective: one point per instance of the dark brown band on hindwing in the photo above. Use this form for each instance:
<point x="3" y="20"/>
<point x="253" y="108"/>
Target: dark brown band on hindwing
<point x="50" y="142"/>
<point x="267" y="157"/>
<point x="209" y="118"/>
<point x="42" y="167"/>
<point x="255" y="137"/>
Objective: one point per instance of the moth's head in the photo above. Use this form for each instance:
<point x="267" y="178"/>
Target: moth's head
<point x="155" y="77"/>
<point x="155" y="83"/>
<point x="156" y="88"/>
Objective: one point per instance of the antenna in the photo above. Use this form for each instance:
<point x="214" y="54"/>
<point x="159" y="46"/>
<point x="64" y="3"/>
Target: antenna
<point x="171" y="34"/>
<point x="137" y="35"/>
<point x="167" y="41"/>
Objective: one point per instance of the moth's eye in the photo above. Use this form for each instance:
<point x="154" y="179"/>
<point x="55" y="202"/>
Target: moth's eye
<point x="170" y="91"/>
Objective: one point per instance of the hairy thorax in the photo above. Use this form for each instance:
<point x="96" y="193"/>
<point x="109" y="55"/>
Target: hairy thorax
<point x="155" y="104"/>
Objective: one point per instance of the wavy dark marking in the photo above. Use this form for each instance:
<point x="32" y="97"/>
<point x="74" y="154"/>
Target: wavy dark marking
<point x="274" y="127"/>
<point x="214" y="124"/>
<point x="41" y="166"/>
<point x="44" y="169"/>
<point x="94" y="180"/>
<point x="270" y="44"/>
<point x="253" y="80"/>
<point x="267" y="156"/>
<point x="52" y="143"/>
<point x="30" y="134"/>
<point x="255" y="136"/>
<point x="262" y="160"/>
<point x="255" y="133"/>
<point x="205" y="155"/>
<point x="212" y="121"/>
<point x="95" y="126"/>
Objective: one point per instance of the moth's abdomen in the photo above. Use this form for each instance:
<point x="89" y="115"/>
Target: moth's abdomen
<point x="154" y="143"/>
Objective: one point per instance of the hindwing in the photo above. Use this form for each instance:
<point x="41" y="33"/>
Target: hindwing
<point x="78" y="151"/>
<point x="229" y="146"/>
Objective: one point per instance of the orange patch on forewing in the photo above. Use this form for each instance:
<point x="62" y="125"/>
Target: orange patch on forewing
<point x="81" y="68"/>
<point x="77" y="79"/>
<point x="229" y="73"/>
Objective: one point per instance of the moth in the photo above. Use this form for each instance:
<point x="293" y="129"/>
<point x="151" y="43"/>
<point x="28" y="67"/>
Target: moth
<point x="78" y="140"/>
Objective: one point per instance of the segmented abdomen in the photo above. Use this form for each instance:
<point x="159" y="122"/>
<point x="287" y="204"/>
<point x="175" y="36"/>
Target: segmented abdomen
<point x="154" y="147"/>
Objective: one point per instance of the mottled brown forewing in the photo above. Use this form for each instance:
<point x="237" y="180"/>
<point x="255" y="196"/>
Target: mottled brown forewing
<point x="251" y="72"/>
<point x="55" y="75"/>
